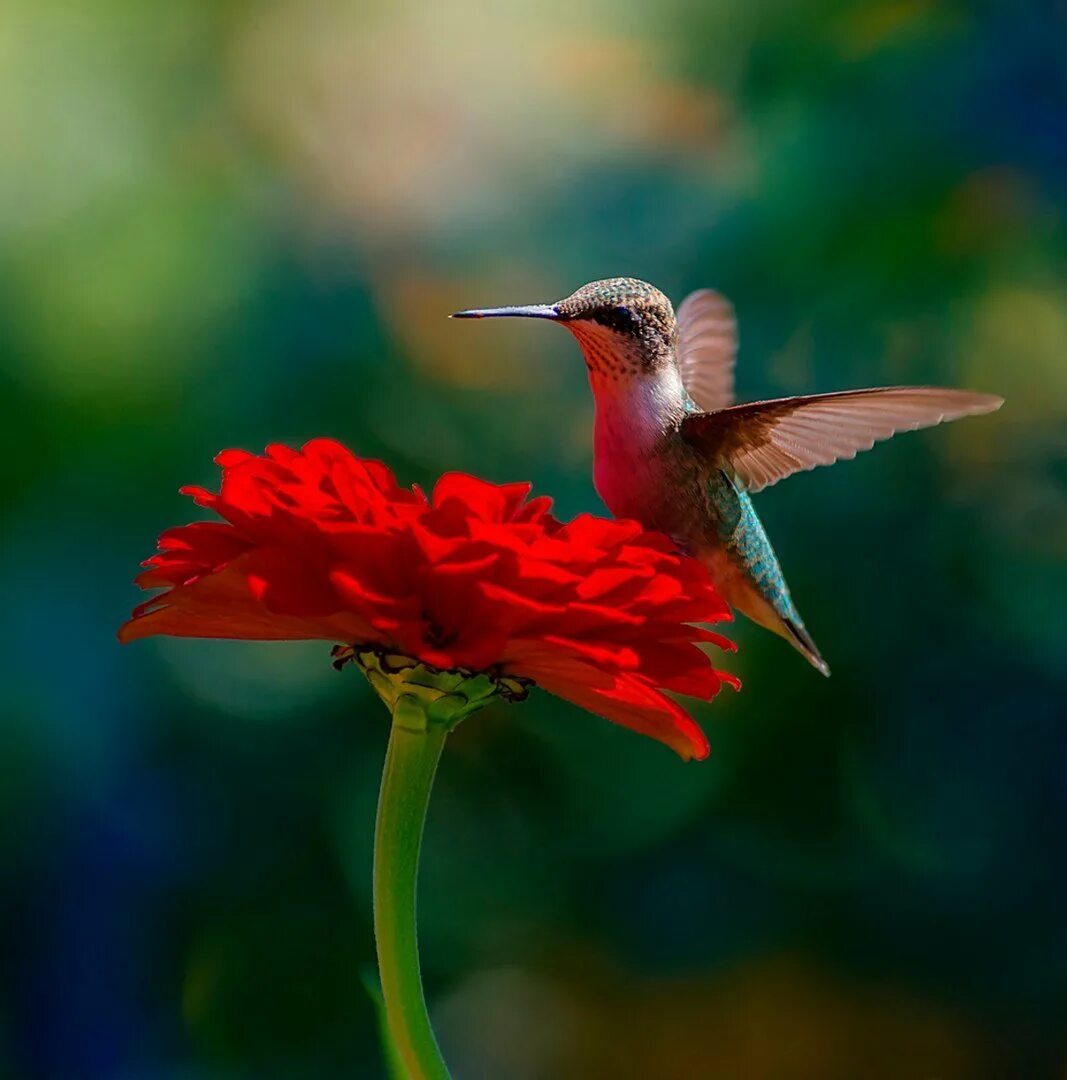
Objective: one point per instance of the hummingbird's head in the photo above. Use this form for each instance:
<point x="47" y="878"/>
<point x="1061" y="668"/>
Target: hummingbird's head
<point x="625" y="327"/>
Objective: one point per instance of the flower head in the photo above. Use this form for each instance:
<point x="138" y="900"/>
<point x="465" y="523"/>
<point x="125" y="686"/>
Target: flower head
<point x="477" y="578"/>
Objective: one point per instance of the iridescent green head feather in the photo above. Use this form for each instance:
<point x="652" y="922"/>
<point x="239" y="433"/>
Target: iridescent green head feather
<point x="621" y="303"/>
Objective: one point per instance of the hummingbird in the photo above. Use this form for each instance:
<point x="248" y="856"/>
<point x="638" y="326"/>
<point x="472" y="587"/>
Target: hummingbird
<point x="674" y="451"/>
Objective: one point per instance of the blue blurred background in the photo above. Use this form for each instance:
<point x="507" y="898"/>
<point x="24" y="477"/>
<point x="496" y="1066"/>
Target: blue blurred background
<point x="224" y="224"/>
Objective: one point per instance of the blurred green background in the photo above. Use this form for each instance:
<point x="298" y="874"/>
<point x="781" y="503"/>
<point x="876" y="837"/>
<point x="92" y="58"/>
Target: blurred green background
<point x="224" y="224"/>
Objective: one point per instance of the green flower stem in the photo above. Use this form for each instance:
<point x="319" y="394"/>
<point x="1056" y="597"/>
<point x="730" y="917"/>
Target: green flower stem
<point x="415" y="745"/>
<point x="426" y="704"/>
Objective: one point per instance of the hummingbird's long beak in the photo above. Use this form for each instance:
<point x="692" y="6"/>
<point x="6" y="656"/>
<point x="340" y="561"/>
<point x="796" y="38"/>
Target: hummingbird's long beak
<point x="527" y="311"/>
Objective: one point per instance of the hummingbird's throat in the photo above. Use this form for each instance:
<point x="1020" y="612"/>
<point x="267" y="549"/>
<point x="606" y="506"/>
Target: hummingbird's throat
<point x="611" y="356"/>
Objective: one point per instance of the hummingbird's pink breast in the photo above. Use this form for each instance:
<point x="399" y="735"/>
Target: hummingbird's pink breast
<point x="639" y="406"/>
<point x="634" y="442"/>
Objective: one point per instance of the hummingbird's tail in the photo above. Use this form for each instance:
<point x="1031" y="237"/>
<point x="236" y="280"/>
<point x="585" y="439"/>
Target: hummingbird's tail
<point x="803" y="643"/>
<point x="750" y="579"/>
<point x="770" y="606"/>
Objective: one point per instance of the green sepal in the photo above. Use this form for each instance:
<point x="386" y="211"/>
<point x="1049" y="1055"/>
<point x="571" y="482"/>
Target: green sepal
<point x="418" y="694"/>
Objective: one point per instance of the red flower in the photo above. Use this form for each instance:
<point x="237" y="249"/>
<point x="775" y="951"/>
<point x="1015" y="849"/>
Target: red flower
<point x="321" y="544"/>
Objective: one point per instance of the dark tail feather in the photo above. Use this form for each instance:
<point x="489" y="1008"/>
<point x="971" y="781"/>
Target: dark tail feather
<point x="805" y="646"/>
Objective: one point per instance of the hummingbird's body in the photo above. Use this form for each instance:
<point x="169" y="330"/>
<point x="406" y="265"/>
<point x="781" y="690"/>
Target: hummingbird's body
<point x="673" y="452"/>
<point x="643" y="468"/>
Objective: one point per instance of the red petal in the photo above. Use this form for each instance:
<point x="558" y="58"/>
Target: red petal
<point x="634" y="704"/>
<point x="222" y="606"/>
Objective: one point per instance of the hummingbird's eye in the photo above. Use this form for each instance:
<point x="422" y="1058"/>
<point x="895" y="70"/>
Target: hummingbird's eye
<point x="619" y="317"/>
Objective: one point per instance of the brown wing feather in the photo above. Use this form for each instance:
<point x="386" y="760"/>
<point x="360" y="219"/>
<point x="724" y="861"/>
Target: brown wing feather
<point x="766" y="441"/>
<point x="707" y="348"/>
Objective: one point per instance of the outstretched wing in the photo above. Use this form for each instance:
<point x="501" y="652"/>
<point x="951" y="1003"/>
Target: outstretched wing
<point x="707" y="348"/>
<point x="766" y="441"/>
